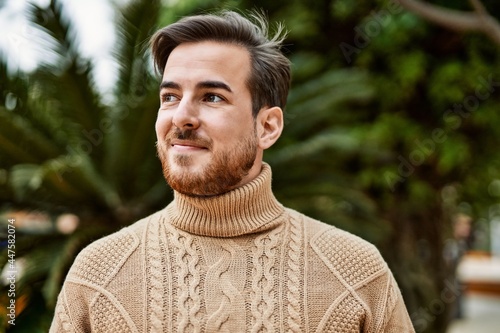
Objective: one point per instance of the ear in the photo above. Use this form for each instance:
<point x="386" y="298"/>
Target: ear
<point x="269" y="126"/>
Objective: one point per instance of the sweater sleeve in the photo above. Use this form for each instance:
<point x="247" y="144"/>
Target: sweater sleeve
<point x="396" y="318"/>
<point x="371" y="290"/>
<point x="61" y="321"/>
<point x="72" y="311"/>
<point x="87" y="301"/>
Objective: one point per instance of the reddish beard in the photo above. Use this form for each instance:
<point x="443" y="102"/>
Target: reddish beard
<point x="225" y="170"/>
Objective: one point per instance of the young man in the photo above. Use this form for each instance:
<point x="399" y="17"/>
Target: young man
<point x="225" y="255"/>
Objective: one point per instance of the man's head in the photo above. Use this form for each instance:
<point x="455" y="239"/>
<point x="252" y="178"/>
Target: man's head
<point x="269" y="78"/>
<point x="220" y="102"/>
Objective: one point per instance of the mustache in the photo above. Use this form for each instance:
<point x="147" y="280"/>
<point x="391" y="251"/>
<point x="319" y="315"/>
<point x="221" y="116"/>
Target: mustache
<point x="188" y="135"/>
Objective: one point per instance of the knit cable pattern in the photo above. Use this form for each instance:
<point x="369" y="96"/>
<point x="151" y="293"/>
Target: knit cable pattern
<point x="295" y="263"/>
<point x="228" y="293"/>
<point x="392" y="297"/>
<point x="62" y="315"/>
<point x="187" y="268"/>
<point x="189" y="301"/>
<point x="155" y="276"/>
<point x="263" y="301"/>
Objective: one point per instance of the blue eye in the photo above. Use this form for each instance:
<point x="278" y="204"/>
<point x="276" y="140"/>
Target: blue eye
<point x="168" y="98"/>
<point x="211" y="98"/>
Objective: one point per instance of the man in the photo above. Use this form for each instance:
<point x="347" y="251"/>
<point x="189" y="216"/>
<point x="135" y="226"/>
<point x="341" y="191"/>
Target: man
<point x="225" y="255"/>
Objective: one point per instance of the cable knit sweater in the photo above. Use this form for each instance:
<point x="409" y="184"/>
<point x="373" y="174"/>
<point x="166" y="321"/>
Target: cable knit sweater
<point x="238" y="262"/>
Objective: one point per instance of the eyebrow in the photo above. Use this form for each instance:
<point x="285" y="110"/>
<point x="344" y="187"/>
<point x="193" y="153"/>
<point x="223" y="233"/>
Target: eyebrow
<point x="214" y="84"/>
<point x="169" y="84"/>
<point x="199" y="85"/>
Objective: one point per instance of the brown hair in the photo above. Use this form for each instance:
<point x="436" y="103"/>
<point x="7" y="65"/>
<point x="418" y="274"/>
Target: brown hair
<point x="269" y="79"/>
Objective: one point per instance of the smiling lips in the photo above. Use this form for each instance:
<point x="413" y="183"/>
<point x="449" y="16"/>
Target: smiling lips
<point x="187" y="140"/>
<point x="186" y="145"/>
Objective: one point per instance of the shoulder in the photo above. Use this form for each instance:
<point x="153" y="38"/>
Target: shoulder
<point x="101" y="260"/>
<point x="349" y="256"/>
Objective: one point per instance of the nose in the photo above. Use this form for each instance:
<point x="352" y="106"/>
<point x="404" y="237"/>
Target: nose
<point x="186" y="116"/>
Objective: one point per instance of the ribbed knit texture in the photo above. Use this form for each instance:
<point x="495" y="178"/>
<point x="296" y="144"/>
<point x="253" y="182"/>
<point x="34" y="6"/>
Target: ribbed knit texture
<point x="239" y="262"/>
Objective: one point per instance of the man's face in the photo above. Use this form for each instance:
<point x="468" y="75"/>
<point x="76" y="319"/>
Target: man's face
<point x="206" y="135"/>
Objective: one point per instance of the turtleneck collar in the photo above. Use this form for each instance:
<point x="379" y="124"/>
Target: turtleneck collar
<point x="247" y="209"/>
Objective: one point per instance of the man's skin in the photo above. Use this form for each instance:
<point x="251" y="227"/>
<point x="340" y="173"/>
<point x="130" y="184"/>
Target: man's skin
<point x="204" y="93"/>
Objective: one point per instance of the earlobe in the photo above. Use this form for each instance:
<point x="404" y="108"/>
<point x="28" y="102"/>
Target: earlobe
<point x="270" y="126"/>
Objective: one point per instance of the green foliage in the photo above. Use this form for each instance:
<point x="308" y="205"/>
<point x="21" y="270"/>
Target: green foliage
<point x="64" y="150"/>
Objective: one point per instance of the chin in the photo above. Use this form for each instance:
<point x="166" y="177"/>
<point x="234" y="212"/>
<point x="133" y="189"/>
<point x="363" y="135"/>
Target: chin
<point x="182" y="165"/>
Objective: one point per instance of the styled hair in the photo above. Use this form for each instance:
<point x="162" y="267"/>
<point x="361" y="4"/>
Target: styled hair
<point x="269" y="78"/>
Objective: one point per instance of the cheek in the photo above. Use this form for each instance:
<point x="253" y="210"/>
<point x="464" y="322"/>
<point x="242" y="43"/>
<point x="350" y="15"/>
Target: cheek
<point x="234" y="135"/>
<point x="162" y="125"/>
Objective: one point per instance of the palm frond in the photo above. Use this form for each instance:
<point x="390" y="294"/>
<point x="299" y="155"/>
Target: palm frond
<point x="319" y="102"/>
<point x="70" y="82"/>
<point x="133" y="140"/>
<point x="21" y="141"/>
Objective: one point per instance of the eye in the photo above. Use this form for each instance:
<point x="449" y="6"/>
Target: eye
<point x="212" y="98"/>
<point x="168" y="98"/>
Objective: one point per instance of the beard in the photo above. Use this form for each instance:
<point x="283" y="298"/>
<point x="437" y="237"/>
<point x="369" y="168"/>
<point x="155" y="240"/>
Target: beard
<point x="224" y="171"/>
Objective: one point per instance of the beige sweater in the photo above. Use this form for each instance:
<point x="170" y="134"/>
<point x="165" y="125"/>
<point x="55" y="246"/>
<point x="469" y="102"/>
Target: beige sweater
<point x="239" y="262"/>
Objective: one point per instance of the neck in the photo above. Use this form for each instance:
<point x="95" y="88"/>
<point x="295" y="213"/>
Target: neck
<point x="247" y="209"/>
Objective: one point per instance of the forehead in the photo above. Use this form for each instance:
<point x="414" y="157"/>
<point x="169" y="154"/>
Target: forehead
<point x="208" y="60"/>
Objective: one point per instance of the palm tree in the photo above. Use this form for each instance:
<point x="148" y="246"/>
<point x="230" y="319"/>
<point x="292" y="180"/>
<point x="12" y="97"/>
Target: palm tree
<point x="64" y="150"/>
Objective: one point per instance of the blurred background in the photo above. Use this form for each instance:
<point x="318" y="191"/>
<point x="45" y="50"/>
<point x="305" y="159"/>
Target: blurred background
<point x="392" y="133"/>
